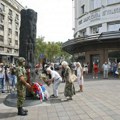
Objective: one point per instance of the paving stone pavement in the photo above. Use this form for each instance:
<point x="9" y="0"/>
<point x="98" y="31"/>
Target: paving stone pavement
<point x="99" y="101"/>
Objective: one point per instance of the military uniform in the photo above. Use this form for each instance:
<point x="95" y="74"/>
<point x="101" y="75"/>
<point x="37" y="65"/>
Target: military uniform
<point x="21" y="88"/>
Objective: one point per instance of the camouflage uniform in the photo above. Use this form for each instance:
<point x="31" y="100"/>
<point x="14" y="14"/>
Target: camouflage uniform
<point x="21" y="90"/>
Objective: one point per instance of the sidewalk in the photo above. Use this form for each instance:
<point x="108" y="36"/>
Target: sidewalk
<point x="99" y="101"/>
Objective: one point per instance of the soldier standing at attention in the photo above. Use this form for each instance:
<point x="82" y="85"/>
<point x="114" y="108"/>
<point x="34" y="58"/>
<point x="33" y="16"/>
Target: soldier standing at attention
<point x="21" y="86"/>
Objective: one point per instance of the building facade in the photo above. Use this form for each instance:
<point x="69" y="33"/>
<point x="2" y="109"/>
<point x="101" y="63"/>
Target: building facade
<point x="96" y="31"/>
<point x="9" y="30"/>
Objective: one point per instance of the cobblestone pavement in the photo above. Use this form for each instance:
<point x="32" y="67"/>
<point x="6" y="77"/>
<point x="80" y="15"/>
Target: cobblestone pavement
<point x="99" y="101"/>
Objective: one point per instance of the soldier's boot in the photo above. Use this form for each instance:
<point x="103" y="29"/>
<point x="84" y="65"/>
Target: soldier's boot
<point x="21" y="112"/>
<point x="24" y="110"/>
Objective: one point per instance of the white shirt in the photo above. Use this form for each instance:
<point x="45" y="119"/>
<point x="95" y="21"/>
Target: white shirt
<point x="105" y="66"/>
<point x="55" y="75"/>
<point x="79" y="72"/>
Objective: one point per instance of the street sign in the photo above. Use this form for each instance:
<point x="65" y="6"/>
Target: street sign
<point x="41" y="55"/>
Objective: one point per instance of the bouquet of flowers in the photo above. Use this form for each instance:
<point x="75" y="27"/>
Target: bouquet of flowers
<point x="39" y="91"/>
<point x="44" y="78"/>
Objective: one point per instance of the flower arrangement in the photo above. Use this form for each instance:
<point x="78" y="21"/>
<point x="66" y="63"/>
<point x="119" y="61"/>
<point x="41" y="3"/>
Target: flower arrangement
<point x="44" y="78"/>
<point x="39" y="91"/>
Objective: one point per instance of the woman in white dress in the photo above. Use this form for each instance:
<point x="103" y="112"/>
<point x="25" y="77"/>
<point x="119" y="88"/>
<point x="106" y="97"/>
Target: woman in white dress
<point x="80" y="76"/>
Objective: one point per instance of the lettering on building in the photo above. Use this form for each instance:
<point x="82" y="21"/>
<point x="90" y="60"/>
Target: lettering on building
<point x="98" y="15"/>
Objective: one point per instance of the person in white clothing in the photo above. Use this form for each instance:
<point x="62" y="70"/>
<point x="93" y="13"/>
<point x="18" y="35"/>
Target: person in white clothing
<point x="2" y="80"/>
<point x="105" y="70"/>
<point x="56" y="79"/>
<point x="80" y="76"/>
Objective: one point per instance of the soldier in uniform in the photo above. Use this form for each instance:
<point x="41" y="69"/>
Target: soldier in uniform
<point x="21" y="86"/>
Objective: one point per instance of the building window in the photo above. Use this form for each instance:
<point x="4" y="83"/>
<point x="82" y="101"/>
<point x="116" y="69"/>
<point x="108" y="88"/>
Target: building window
<point x="10" y="21"/>
<point x="83" y="9"/>
<point x="9" y="31"/>
<point x="112" y="1"/>
<point x="114" y="26"/>
<point x="2" y="7"/>
<point x="96" y="29"/>
<point x="1" y="48"/>
<point x="95" y="4"/>
<point x="1" y="28"/>
<point x="16" y="33"/>
<point x="9" y="50"/>
<point x="9" y="41"/>
<point x="83" y="32"/>
<point x="1" y="38"/>
<point x="16" y="26"/>
<point x="1" y="18"/>
<point x="10" y="12"/>
<point x="15" y="51"/>
<point x="17" y="17"/>
<point x="16" y="42"/>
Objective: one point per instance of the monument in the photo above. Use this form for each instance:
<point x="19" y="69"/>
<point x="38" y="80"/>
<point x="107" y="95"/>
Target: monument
<point x="27" y="40"/>
<point x="26" y="50"/>
<point x="28" y="35"/>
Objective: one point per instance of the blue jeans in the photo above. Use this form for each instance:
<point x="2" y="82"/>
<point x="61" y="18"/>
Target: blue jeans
<point x="13" y="77"/>
<point x="2" y="84"/>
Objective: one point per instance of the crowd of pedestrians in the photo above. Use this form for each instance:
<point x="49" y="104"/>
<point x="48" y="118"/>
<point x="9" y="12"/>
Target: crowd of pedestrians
<point x="63" y="74"/>
<point x="107" y="69"/>
<point x="17" y="78"/>
<point x="20" y="75"/>
<point x="7" y="78"/>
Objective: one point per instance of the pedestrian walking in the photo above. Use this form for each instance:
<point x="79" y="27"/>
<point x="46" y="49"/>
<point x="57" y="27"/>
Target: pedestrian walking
<point x="2" y="78"/>
<point x="105" y="70"/>
<point x="95" y="70"/>
<point x="119" y="70"/>
<point x="7" y="77"/>
<point x="114" y="69"/>
<point x="13" y="77"/>
<point x="80" y="76"/>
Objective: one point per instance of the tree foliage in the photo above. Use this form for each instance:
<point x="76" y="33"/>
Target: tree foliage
<point x="50" y="50"/>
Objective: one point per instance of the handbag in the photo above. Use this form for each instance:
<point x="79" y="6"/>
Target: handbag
<point x="72" y="78"/>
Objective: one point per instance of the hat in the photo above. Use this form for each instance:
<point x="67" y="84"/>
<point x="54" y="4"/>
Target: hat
<point x="21" y="59"/>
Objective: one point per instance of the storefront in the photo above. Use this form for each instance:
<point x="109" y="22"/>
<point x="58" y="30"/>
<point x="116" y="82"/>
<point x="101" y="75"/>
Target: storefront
<point x="96" y="31"/>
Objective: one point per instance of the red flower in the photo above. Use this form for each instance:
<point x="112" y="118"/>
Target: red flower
<point x="35" y="88"/>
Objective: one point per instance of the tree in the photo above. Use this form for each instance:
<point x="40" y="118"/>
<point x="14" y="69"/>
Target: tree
<point x="50" y="50"/>
<point x="39" y="49"/>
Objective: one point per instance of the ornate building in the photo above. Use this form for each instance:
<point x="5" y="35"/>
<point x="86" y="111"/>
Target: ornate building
<point x="9" y="30"/>
<point x="96" y="31"/>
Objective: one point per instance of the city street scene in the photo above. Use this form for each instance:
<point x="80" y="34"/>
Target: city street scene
<point x="99" y="101"/>
<point x="60" y="60"/>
